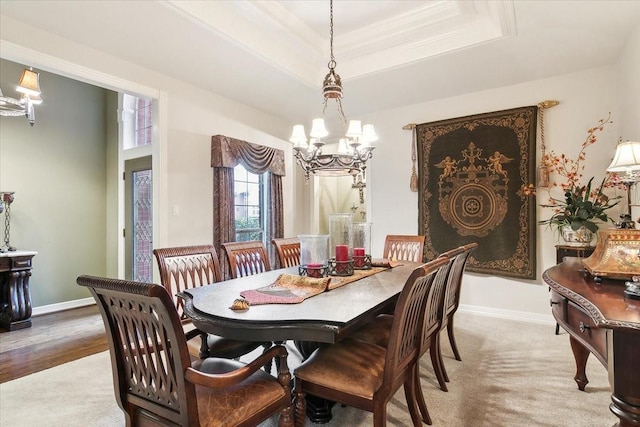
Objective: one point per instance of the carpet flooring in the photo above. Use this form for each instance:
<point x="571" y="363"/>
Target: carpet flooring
<point x="512" y="374"/>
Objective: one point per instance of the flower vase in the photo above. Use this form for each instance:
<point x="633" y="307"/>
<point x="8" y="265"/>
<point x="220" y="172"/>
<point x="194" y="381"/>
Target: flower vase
<point x="580" y="237"/>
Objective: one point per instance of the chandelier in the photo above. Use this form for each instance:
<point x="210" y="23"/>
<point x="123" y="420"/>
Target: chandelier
<point x="353" y="150"/>
<point x="29" y="86"/>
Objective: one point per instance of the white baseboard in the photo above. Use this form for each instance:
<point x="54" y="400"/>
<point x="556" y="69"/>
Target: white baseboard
<point x="544" y="319"/>
<point x="67" y="305"/>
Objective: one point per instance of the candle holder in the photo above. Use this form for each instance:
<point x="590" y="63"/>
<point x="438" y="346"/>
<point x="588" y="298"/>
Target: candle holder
<point x="362" y="262"/>
<point x="313" y="255"/>
<point x="362" y="245"/>
<point x="317" y="271"/>
<point x="340" y="268"/>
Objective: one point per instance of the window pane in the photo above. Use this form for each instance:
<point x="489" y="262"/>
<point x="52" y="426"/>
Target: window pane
<point x="253" y="177"/>
<point x="240" y="173"/>
<point x="248" y="201"/>
<point x="144" y="124"/>
<point x="253" y="197"/>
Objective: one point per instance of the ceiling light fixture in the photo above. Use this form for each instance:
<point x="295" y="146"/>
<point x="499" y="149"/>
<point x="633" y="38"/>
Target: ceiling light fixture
<point x="353" y="151"/>
<point x="29" y="86"/>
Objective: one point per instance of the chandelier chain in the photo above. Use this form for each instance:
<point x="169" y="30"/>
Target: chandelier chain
<point x="332" y="61"/>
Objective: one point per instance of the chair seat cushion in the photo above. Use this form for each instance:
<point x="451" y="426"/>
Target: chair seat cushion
<point x="350" y="366"/>
<point x="376" y="332"/>
<point x="231" y="405"/>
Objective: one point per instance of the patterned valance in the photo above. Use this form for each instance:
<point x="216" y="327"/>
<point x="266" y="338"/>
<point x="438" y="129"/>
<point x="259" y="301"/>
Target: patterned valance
<point x="228" y="152"/>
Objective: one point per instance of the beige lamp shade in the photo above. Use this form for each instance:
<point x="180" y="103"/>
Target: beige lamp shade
<point x="29" y="83"/>
<point x="298" y="137"/>
<point x="627" y="157"/>
<point x="318" y="130"/>
<point x="355" y="129"/>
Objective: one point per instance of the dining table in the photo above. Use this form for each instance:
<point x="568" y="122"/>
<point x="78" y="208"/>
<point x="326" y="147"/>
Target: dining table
<point x="324" y="318"/>
<point x="327" y="317"/>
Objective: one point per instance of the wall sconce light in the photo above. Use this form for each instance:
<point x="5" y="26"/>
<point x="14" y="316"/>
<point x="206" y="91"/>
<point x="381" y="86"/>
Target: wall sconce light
<point x="29" y="87"/>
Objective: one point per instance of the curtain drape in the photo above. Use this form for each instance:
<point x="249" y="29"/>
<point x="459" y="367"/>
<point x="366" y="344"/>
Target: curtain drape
<point x="224" y="228"/>
<point x="226" y="153"/>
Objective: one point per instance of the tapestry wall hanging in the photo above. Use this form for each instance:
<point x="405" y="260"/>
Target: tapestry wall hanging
<point x="472" y="171"/>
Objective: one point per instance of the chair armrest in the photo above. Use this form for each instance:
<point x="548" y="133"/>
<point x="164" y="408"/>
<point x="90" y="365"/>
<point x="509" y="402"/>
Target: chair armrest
<point x="197" y="377"/>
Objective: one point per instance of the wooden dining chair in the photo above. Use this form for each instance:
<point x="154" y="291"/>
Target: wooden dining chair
<point x="246" y="258"/>
<point x="378" y="331"/>
<point x="365" y="375"/>
<point x="186" y="267"/>
<point x="288" y="250"/>
<point x="154" y="379"/>
<point x="404" y="247"/>
<point x="452" y="301"/>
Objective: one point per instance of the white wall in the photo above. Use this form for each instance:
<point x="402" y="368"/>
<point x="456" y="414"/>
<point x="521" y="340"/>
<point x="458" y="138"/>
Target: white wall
<point x="628" y="85"/>
<point x="585" y="97"/>
<point x="58" y="171"/>
<point x="189" y="118"/>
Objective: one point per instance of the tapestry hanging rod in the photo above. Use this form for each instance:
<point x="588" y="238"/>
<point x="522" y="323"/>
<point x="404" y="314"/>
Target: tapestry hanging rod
<point x="543" y="104"/>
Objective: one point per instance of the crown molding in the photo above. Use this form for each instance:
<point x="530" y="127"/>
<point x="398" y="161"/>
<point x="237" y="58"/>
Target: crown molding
<point x="270" y="31"/>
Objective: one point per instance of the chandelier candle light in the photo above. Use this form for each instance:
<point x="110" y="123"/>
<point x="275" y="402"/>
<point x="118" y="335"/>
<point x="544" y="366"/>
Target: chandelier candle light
<point x="353" y="150"/>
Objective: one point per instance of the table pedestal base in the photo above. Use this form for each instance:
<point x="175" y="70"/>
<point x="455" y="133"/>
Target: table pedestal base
<point x="318" y="409"/>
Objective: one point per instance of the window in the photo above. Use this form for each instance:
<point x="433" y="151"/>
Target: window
<point x="137" y="118"/>
<point x="248" y="198"/>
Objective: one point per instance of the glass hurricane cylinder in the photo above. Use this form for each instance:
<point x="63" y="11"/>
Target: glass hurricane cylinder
<point x="313" y="254"/>
<point x="313" y="249"/>
<point x="341" y="236"/>
<point x="361" y="245"/>
<point x="341" y="244"/>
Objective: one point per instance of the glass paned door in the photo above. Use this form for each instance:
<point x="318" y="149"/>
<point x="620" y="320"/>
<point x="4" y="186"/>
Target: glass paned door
<point x="138" y="223"/>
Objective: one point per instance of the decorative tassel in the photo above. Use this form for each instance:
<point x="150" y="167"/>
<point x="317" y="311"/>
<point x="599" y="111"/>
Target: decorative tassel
<point x="543" y="176"/>
<point x="414" y="181"/>
<point x="414" y="176"/>
<point x="542" y="179"/>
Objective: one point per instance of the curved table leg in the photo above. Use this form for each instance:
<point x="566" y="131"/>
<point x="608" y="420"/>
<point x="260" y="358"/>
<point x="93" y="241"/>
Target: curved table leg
<point x="580" y="354"/>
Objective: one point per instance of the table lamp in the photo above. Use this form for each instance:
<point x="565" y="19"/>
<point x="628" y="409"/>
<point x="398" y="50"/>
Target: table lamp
<point x="626" y="162"/>
<point x="617" y="253"/>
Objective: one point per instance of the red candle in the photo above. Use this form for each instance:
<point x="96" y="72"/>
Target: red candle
<point x="314" y="270"/>
<point x="342" y="253"/>
<point x="358" y="251"/>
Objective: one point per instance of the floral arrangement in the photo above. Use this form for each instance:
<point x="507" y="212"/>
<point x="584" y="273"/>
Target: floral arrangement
<point x="582" y="204"/>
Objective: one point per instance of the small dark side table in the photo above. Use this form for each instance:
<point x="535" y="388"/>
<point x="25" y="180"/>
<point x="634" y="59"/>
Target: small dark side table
<point x="15" y="295"/>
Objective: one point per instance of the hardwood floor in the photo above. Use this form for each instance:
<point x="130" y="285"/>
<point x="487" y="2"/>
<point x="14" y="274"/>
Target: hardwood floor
<point x="52" y="340"/>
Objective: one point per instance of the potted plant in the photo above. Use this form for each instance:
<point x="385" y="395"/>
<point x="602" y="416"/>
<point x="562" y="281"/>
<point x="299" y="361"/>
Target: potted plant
<point x="578" y="215"/>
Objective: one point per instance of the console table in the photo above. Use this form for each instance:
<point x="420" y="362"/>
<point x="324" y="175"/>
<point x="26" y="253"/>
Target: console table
<point x="600" y="320"/>
<point x="15" y="296"/>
